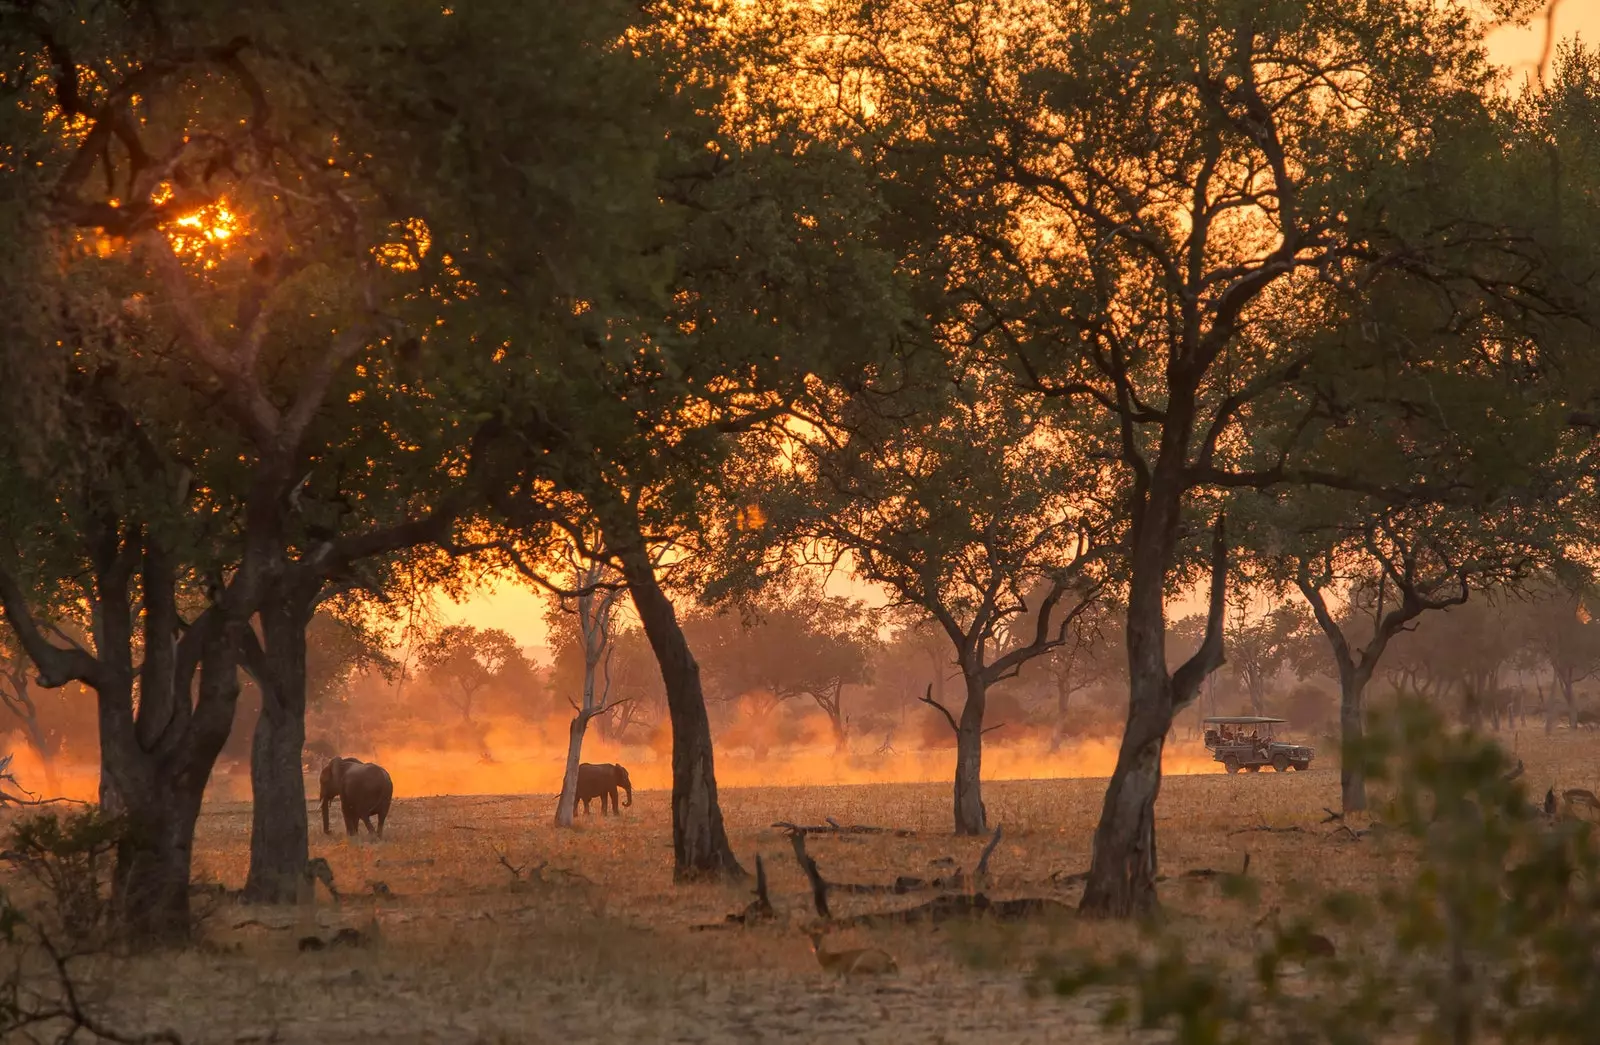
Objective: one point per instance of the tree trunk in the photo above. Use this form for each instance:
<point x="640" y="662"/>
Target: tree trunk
<point x="1063" y="696"/>
<point x="568" y="803"/>
<point x="160" y="794"/>
<point x="1352" y="738"/>
<point x="1122" y="868"/>
<point x="699" y="840"/>
<point x="279" y="832"/>
<point x="969" y="811"/>
<point x="150" y="885"/>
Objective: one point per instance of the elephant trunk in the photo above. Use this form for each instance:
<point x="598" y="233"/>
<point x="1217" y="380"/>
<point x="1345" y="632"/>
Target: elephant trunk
<point x="628" y="790"/>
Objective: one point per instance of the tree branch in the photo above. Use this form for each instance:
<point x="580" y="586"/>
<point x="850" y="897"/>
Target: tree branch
<point x="928" y="700"/>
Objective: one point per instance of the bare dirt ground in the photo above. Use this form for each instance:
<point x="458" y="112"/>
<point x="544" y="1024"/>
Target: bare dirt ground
<point x="597" y="945"/>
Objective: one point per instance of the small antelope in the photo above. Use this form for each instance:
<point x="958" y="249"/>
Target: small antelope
<point x="1315" y="945"/>
<point x="1577" y="798"/>
<point x="862" y="961"/>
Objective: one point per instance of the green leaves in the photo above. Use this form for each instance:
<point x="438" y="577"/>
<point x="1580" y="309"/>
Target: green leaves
<point x="1487" y="931"/>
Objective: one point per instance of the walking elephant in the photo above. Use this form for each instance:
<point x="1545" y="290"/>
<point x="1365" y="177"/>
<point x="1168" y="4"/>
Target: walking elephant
<point x="601" y="781"/>
<point x="363" y="789"/>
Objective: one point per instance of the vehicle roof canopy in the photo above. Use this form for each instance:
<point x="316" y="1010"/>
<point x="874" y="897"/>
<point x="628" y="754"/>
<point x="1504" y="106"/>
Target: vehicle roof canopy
<point x="1242" y="720"/>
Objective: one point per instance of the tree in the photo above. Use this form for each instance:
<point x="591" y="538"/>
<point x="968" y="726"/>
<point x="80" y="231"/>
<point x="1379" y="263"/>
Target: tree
<point x="255" y="245"/>
<point x="1558" y="625"/>
<point x="1150" y="211"/>
<point x="959" y="503"/>
<point x="630" y="320"/>
<point x="461" y="660"/>
<point x="593" y="603"/>
<point x="1258" y="648"/>
<point x="799" y="643"/>
<point x="16" y="694"/>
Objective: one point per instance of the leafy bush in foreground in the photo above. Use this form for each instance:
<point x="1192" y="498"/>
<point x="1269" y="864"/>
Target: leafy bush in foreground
<point x="1489" y="932"/>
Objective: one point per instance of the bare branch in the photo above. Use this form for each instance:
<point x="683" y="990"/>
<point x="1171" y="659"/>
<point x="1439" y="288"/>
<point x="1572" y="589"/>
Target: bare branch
<point x="927" y="699"/>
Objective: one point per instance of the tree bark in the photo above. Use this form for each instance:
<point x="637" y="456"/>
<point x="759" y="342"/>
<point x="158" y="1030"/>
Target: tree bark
<point x="699" y="839"/>
<point x="1352" y="738"/>
<point x="160" y="793"/>
<point x="1122" y="867"/>
<point x="279" y="829"/>
<point x="567" y="805"/>
<point x="968" y="794"/>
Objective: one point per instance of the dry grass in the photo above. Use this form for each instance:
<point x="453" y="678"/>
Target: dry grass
<point x="467" y="953"/>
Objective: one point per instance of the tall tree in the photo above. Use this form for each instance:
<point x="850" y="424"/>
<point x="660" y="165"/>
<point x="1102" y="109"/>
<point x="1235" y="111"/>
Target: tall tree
<point x="630" y="320"/>
<point x="1137" y="206"/>
<point x="960" y="503"/>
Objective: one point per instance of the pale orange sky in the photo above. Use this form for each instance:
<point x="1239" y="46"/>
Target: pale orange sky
<point x="520" y="611"/>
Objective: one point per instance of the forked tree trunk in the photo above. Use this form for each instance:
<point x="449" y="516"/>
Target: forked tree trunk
<point x="1122" y="866"/>
<point x="279" y="831"/>
<point x="969" y="810"/>
<point x="160" y="795"/>
<point x="1122" y="874"/>
<point x="699" y="839"/>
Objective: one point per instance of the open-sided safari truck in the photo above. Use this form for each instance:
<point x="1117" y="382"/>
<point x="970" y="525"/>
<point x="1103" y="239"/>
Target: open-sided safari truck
<point x="1247" y="742"/>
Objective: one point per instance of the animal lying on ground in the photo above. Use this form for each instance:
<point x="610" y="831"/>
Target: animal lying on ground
<point x="862" y="961"/>
<point x="363" y="789"/>
<point x="601" y="781"/>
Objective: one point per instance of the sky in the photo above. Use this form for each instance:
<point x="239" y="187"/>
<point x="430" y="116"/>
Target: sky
<point x="519" y="611"/>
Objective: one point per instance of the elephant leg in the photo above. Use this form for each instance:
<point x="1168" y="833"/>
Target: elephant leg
<point x="351" y="822"/>
<point x="586" y="810"/>
<point x="368" y="821"/>
<point x="382" y="816"/>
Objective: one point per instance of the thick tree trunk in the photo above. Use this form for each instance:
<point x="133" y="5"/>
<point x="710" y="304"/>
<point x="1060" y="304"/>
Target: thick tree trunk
<point x="969" y="811"/>
<point x="568" y="803"/>
<point x="1122" y="869"/>
<point x="160" y="793"/>
<point x="150" y="885"/>
<point x="699" y="840"/>
<point x="279" y="830"/>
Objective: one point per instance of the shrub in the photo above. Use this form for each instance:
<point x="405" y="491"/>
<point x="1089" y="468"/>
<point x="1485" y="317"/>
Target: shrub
<point x="1489" y="932"/>
<point x="71" y="859"/>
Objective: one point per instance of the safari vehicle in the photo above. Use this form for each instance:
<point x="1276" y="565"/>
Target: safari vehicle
<point x="1247" y="742"/>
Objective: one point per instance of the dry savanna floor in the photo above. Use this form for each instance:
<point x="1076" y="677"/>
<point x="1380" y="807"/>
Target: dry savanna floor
<point x="593" y="942"/>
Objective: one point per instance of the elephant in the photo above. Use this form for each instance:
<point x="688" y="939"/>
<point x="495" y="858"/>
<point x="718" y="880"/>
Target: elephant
<point x="363" y="789"/>
<point x="601" y="781"/>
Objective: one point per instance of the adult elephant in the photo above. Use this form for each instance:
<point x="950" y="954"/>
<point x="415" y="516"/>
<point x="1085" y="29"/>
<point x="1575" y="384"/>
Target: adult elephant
<point x="601" y="781"/>
<point x="363" y="789"/>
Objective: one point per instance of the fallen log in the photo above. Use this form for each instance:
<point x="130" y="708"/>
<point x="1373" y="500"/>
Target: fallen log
<point x="958" y="905"/>
<point x="833" y="827"/>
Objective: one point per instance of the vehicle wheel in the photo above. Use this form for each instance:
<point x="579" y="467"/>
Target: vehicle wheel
<point x="1280" y="764"/>
<point x="1230" y="765"/>
<point x="1299" y="767"/>
<point x="1252" y="769"/>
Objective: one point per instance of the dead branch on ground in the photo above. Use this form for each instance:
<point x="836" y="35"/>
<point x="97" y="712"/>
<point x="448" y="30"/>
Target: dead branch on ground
<point x="980" y="874"/>
<point x="833" y="827"/>
<point x="940" y="908"/>
<point x="819" y="887"/>
<point x="1292" y="829"/>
